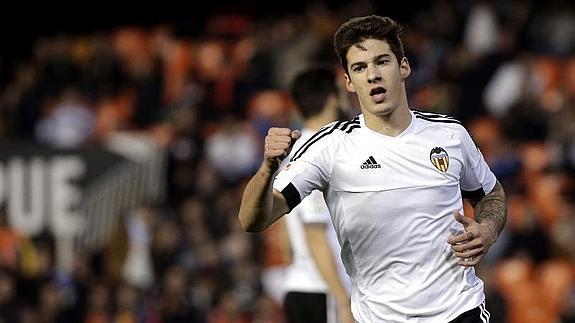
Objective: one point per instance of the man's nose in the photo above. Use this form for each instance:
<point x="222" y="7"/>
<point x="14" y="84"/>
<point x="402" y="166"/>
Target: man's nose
<point x="373" y="74"/>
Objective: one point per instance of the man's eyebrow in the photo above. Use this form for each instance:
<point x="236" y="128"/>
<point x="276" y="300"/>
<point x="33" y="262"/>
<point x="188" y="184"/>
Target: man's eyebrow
<point x="378" y="57"/>
<point x="381" y="56"/>
<point x="357" y="63"/>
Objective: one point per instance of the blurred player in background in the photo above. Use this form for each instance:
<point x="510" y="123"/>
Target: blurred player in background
<point x="316" y="285"/>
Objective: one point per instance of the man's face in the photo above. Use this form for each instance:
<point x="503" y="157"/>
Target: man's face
<point x="376" y="76"/>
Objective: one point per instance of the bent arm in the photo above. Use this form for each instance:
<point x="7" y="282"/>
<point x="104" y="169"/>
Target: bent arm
<point x="491" y="211"/>
<point x="482" y="232"/>
<point x="261" y="204"/>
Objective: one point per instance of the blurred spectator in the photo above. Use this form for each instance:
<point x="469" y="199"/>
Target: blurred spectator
<point x="165" y="247"/>
<point x="137" y="269"/>
<point x="8" y="311"/>
<point x="98" y="307"/>
<point x="526" y="235"/>
<point x="11" y="243"/>
<point x="568" y="312"/>
<point x="51" y="304"/>
<point x="563" y="234"/>
<point x="506" y="88"/>
<point x="552" y="29"/>
<point x="126" y="299"/>
<point x="481" y="30"/>
<point x="232" y="150"/>
<point x="67" y="124"/>
<point x="267" y="108"/>
<point x="227" y="310"/>
<point x="177" y="305"/>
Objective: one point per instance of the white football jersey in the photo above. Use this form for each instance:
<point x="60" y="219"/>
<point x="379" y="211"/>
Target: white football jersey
<point x="391" y="200"/>
<point x="302" y="274"/>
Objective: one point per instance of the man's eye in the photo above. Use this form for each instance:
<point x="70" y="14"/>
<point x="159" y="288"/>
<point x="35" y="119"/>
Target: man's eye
<point x="383" y="62"/>
<point x="358" y="68"/>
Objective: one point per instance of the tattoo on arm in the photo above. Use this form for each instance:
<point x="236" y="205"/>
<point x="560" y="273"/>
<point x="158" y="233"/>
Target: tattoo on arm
<point x="492" y="209"/>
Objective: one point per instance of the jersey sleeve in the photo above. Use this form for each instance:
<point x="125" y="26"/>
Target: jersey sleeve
<point x="477" y="179"/>
<point x="309" y="168"/>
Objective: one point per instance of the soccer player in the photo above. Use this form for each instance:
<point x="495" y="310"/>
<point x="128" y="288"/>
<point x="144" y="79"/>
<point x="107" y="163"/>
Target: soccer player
<point x="316" y="285"/>
<point x="393" y="179"/>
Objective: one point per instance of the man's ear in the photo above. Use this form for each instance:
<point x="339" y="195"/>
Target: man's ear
<point x="404" y="68"/>
<point x="348" y="85"/>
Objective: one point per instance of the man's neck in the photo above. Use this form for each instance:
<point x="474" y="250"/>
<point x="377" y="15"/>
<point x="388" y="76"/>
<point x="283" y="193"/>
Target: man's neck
<point x="390" y="125"/>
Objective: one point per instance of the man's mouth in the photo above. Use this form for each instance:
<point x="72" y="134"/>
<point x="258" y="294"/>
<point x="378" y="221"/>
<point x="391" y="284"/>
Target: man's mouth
<point x="378" y="94"/>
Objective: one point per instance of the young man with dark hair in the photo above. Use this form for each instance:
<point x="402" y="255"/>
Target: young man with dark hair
<point x="394" y="180"/>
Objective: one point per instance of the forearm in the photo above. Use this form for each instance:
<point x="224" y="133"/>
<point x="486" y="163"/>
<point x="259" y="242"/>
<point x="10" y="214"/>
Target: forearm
<point x="325" y="262"/>
<point x="284" y="240"/>
<point x="257" y="207"/>
<point x="491" y="211"/>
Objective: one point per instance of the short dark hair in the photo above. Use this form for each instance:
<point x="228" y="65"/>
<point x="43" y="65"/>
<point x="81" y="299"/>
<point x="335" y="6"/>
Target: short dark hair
<point x="311" y="88"/>
<point x="358" y="29"/>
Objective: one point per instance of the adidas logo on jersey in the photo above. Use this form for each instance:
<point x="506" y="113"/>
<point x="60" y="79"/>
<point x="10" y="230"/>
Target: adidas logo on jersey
<point x="370" y="163"/>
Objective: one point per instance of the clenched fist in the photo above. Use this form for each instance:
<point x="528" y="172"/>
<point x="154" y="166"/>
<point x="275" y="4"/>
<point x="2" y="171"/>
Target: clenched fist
<point x="278" y="144"/>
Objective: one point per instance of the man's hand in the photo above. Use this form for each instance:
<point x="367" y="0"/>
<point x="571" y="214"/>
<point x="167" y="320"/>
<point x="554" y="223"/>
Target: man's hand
<point x="278" y="143"/>
<point x="471" y="245"/>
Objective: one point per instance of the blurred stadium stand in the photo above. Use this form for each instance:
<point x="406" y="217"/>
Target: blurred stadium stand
<point x="127" y="136"/>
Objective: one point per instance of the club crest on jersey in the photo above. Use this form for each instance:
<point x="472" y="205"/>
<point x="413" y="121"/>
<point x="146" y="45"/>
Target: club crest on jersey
<point x="439" y="158"/>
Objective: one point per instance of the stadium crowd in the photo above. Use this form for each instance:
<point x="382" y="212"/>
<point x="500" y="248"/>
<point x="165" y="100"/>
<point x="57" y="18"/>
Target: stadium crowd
<point x="506" y="69"/>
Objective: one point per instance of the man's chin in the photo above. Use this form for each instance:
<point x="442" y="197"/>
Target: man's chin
<point x="383" y="111"/>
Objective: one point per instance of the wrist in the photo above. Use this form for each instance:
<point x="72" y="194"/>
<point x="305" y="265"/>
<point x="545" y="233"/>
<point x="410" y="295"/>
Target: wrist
<point x="490" y="231"/>
<point x="343" y="301"/>
<point x="269" y="167"/>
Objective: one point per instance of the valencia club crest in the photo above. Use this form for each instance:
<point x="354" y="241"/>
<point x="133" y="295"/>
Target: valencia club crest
<point x="439" y="158"/>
